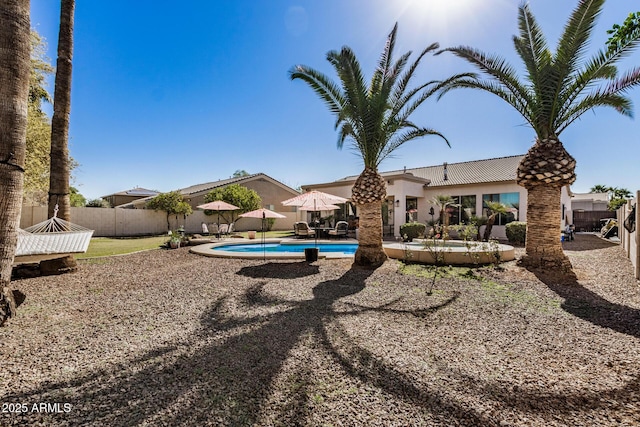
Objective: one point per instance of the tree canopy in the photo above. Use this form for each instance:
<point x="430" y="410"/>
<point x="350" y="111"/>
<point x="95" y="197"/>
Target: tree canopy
<point x="236" y="194"/>
<point x="172" y="203"/>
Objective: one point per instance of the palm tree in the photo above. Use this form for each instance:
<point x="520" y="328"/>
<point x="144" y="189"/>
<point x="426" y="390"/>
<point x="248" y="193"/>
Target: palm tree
<point x="375" y="119"/>
<point x="493" y="210"/>
<point x="599" y="188"/>
<point x="15" y="39"/>
<point x="443" y="201"/>
<point x="60" y="161"/>
<point x="558" y="88"/>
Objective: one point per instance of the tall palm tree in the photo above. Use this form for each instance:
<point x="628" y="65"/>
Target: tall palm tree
<point x="60" y="161"/>
<point x="558" y="88"/>
<point x="15" y="66"/>
<point x="375" y="119"/>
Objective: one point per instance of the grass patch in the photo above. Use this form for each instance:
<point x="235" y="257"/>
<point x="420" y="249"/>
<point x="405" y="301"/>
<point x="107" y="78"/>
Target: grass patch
<point x="492" y="291"/>
<point x="104" y="246"/>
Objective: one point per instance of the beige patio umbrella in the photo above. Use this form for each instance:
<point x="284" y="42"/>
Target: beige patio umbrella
<point x="218" y="205"/>
<point x="263" y="214"/>
<point x="314" y="200"/>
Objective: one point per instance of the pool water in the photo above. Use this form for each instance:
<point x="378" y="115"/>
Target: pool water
<point x="346" y="248"/>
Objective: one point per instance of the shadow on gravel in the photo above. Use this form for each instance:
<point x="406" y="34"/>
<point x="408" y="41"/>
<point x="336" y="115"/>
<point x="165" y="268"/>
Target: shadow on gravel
<point x="587" y="305"/>
<point x="251" y="362"/>
<point x="276" y="270"/>
<point x="587" y="242"/>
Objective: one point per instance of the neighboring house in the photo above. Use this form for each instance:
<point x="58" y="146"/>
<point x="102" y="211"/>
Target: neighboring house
<point x="272" y="192"/>
<point x="587" y="209"/>
<point x="129" y="196"/>
<point x="409" y="193"/>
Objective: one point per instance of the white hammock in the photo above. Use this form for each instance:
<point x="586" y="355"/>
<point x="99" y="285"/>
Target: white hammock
<point x="53" y="236"/>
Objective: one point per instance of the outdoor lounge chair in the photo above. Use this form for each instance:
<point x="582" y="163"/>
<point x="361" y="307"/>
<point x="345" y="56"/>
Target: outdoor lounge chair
<point x="340" y="230"/>
<point x="295" y="229"/>
<point x="223" y="229"/>
<point x="303" y="230"/>
<point x="213" y="230"/>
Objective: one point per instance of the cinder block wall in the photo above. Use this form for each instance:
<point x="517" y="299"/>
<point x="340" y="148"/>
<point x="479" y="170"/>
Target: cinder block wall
<point x="114" y="222"/>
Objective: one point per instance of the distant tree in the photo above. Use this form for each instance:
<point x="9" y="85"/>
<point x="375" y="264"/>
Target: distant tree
<point x="172" y="203"/>
<point x="240" y="173"/>
<point x="236" y="194"/>
<point x="618" y="197"/>
<point x="599" y="188"/>
<point x="623" y="34"/>
<point x="443" y="201"/>
<point x="97" y="203"/>
<point x="77" y="200"/>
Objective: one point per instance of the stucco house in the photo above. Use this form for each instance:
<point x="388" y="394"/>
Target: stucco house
<point x="271" y="191"/>
<point x="410" y="191"/>
<point x="128" y="196"/>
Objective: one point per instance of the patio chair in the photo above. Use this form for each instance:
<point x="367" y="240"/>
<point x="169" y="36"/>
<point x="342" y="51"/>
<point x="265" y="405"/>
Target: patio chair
<point x="223" y="229"/>
<point x="303" y="230"/>
<point x="340" y="230"/>
<point x="295" y="229"/>
<point x="231" y="228"/>
<point x="213" y="230"/>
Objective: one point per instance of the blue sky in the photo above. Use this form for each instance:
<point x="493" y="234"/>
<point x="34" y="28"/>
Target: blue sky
<point x="165" y="96"/>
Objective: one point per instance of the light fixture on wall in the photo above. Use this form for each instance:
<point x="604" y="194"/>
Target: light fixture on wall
<point x="397" y="203"/>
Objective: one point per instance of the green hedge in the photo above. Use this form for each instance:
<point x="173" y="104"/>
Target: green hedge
<point x="412" y="230"/>
<point x="516" y="232"/>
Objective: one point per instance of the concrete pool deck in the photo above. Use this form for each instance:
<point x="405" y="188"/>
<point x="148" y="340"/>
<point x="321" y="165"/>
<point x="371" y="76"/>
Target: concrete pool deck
<point x="456" y="253"/>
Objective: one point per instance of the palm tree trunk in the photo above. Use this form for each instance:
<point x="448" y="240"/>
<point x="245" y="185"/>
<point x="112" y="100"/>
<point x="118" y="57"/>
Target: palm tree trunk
<point x="543" y="245"/>
<point x="15" y="67"/>
<point x="489" y="227"/>
<point x="370" y="252"/>
<point x="60" y="170"/>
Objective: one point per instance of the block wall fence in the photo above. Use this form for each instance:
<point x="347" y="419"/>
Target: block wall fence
<point x="630" y="241"/>
<point x="117" y="222"/>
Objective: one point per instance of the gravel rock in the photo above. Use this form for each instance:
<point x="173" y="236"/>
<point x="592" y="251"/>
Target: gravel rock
<point x="166" y="337"/>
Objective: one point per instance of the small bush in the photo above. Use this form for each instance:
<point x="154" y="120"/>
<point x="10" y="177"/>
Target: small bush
<point x="516" y="232"/>
<point x="412" y="230"/>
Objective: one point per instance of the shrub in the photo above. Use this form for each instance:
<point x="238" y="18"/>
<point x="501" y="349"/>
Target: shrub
<point x="412" y="230"/>
<point x="516" y="232"/>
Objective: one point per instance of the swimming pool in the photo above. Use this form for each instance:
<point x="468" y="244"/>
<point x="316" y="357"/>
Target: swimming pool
<point x="277" y="249"/>
<point x="297" y="248"/>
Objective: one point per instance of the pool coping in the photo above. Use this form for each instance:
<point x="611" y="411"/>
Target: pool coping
<point x="209" y="249"/>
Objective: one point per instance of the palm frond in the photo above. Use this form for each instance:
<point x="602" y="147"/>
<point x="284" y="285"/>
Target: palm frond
<point x="409" y="135"/>
<point x="497" y="68"/>
<point x="322" y="85"/>
<point x="610" y="96"/>
<point x="403" y="83"/>
<point x="531" y="45"/>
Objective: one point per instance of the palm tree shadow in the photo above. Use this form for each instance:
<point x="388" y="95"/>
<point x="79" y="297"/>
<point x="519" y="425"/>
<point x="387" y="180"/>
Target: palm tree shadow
<point x="223" y="373"/>
<point x="272" y="270"/>
<point x="589" y="306"/>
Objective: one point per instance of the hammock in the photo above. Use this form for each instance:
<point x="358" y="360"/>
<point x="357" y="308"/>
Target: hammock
<point x="51" y="237"/>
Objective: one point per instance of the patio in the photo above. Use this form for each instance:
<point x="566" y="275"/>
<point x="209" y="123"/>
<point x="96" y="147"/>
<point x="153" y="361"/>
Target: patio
<point x="168" y="337"/>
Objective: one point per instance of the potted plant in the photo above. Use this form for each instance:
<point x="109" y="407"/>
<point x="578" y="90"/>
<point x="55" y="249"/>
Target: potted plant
<point x="175" y="239"/>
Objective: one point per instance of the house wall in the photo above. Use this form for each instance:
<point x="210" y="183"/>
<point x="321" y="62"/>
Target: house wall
<point x="630" y="241"/>
<point x="116" y="222"/>
<point x="498" y="231"/>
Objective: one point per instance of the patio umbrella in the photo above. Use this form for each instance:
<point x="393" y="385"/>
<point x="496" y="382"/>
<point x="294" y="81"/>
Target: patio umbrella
<point x="264" y="214"/>
<point x="218" y="205"/>
<point x="316" y="199"/>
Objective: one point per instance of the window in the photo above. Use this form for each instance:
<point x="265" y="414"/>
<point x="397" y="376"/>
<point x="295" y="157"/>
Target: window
<point x="462" y="213"/>
<point x="412" y="209"/>
<point x="510" y="200"/>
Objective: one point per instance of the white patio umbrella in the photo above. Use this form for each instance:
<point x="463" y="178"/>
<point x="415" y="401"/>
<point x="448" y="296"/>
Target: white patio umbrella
<point x="264" y="214"/>
<point x="218" y="205"/>
<point x="314" y="200"/>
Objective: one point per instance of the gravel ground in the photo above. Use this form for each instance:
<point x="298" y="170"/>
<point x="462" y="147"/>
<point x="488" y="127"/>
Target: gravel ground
<point x="166" y="337"/>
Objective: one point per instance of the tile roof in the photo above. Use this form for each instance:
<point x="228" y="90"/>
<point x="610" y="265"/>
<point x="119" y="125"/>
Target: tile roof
<point x="215" y="184"/>
<point x="473" y="172"/>
<point x="138" y="191"/>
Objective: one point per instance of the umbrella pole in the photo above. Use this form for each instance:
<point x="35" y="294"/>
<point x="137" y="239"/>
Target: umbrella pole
<point x="264" y="251"/>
